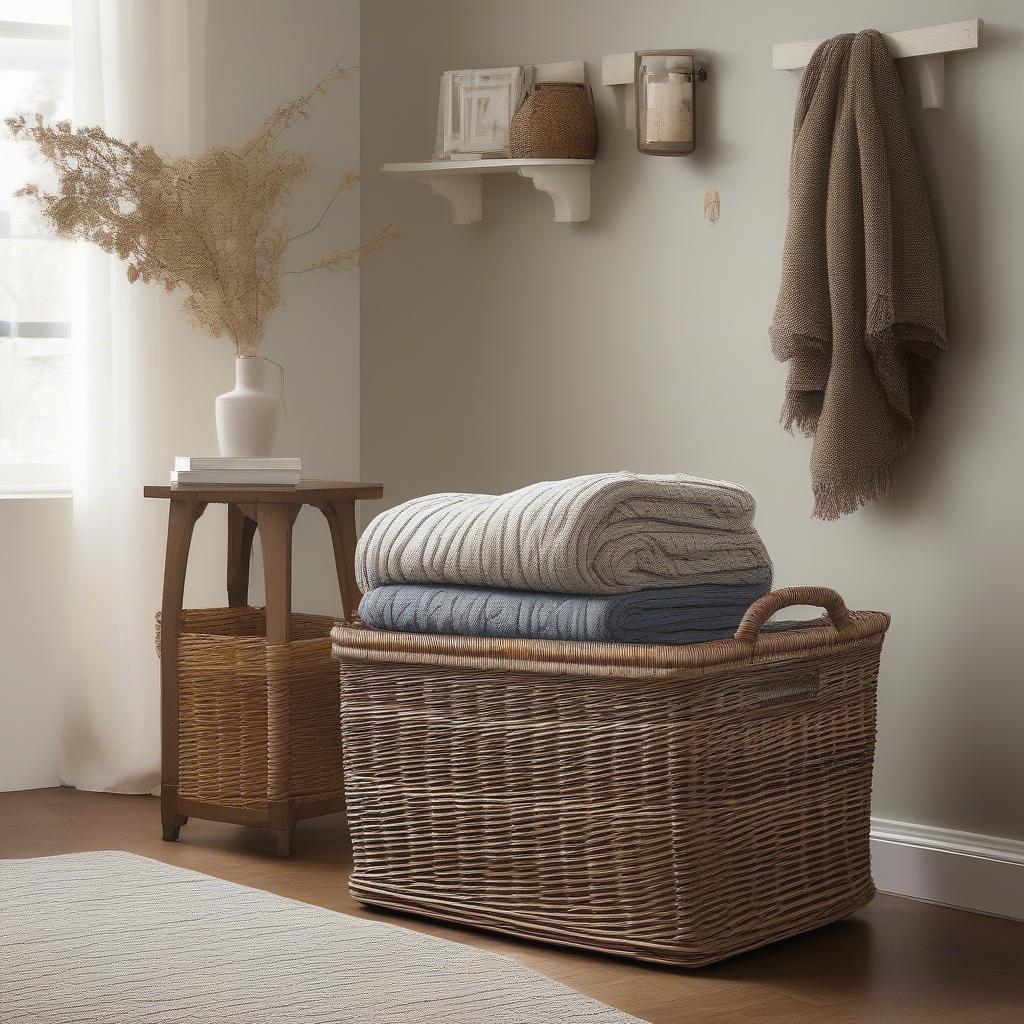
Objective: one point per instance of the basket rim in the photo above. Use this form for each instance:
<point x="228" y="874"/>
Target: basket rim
<point x="358" y="642"/>
<point x="197" y="629"/>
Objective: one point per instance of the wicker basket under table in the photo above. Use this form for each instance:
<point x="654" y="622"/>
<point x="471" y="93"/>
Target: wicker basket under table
<point x="258" y="723"/>
<point x="674" y="804"/>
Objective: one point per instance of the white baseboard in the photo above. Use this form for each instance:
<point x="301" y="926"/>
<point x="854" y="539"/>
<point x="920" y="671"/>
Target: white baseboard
<point x="957" y="869"/>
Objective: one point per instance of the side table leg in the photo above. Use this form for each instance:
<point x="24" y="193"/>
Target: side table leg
<point x="284" y="842"/>
<point x="241" y="530"/>
<point x="275" y="525"/>
<point x="181" y="519"/>
<point x="275" y="522"/>
<point x="341" y="519"/>
<point x="172" y="832"/>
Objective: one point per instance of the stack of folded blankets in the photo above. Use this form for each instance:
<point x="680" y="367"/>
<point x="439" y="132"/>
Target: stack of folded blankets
<point x="614" y="557"/>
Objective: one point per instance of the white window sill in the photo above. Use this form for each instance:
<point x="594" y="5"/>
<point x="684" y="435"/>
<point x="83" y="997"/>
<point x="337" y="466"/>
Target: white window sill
<point x="33" y="480"/>
<point x="35" y="495"/>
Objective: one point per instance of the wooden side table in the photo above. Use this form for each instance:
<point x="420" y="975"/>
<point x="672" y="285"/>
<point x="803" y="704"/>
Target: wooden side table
<point x="272" y="511"/>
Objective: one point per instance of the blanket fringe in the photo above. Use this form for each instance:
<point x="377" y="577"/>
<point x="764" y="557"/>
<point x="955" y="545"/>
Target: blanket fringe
<point x="801" y="412"/>
<point x="833" y="499"/>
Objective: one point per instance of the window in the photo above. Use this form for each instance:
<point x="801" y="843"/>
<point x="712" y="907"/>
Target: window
<point x="35" y="268"/>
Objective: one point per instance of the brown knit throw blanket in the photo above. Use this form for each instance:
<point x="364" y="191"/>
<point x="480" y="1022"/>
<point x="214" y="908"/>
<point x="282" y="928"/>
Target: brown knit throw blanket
<point x="860" y="312"/>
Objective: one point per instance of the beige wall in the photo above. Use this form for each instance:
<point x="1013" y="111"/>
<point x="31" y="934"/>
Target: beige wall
<point x="261" y="53"/>
<point x="520" y="349"/>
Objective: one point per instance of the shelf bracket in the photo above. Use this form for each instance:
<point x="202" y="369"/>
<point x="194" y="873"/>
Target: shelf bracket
<point x="569" y="188"/>
<point x="617" y="70"/>
<point x="931" y="79"/>
<point x="464" y="193"/>
<point x="460" y="183"/>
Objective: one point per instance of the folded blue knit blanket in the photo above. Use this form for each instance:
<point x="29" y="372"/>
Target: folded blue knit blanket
<point x="675" y="615"/>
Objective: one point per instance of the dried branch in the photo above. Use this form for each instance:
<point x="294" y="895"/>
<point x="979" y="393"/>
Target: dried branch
<point x="348" y="180"/>
<point x="346" y="259"/>
<point x="212" y="225"/>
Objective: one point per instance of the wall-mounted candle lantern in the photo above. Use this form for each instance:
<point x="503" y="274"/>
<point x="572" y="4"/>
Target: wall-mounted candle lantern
<point x="665" y="82"/>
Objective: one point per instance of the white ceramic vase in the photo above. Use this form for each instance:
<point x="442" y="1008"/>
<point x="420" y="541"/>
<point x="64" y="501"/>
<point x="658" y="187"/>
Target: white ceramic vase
<point x="248" y="416"/>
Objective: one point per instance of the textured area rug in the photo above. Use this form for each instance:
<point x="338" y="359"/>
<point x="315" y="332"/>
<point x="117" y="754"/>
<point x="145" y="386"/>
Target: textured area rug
<point x="111" y="938"/>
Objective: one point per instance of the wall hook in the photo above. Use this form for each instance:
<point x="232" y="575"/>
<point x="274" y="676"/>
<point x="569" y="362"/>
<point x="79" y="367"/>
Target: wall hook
<point x="926" y="47"/>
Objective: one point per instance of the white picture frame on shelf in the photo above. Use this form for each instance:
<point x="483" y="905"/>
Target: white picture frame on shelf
<point x="475" y="111"/>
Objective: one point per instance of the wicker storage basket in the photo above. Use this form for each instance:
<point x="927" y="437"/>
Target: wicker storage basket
<point x="674" y="804"/>
<point x="257" y="722"/>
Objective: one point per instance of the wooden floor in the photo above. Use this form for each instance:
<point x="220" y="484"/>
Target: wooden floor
<point x="896" y="962"/>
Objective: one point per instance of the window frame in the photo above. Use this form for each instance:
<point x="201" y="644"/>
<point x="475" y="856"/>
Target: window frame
<point x="35" y="478"/>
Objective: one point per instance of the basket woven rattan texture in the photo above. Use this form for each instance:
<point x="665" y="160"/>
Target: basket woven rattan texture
<point x="557" y="120"/>
<point x="257" y="722"/>
<point x="674" y="804"/>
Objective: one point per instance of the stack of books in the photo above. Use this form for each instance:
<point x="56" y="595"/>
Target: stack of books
<point x="207" y="470"/>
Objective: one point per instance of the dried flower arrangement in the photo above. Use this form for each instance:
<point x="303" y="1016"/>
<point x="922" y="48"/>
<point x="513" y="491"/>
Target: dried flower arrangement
<point x="211" y="225"/>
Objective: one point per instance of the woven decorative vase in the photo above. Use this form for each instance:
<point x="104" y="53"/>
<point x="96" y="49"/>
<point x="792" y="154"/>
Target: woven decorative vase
<point x="557" y="120"/>
<point x="674" y="804"/>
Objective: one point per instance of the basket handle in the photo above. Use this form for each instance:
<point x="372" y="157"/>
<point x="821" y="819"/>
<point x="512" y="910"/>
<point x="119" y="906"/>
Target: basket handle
<point x="765" y="607"/>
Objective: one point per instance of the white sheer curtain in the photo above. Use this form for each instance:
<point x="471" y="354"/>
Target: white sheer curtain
<point x="139" y="72"/>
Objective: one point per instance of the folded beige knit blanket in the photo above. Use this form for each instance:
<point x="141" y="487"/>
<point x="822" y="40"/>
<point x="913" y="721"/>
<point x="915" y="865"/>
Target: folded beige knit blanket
<point x="860" y="311"/>
<point x="604" y="534"/>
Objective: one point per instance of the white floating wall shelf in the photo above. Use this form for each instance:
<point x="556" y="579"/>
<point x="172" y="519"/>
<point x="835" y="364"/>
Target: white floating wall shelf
<point x="461" y="183"/>
<point x="927" y="48"/>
